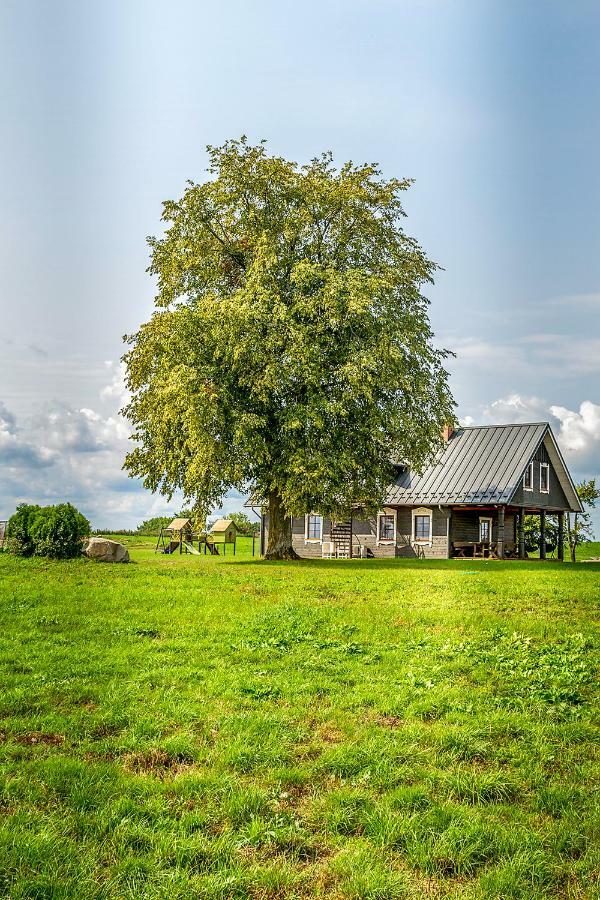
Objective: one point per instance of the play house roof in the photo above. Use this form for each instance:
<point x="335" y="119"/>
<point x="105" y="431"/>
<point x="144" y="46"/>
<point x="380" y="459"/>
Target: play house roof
<point x="180" y="524"/>
<point x="222" y="525"/>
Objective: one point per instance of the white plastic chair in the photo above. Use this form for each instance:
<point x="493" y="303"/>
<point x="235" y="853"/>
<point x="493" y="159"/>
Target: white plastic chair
<point x="327" y="550"/>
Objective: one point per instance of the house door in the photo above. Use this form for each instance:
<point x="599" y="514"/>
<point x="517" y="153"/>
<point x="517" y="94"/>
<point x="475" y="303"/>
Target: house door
<point x="485" y="529"/>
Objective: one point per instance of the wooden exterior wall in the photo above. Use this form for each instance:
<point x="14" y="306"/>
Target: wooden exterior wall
<point x="555" y="499"/>
<point x="448" y="525"/>
<point x="465" y="524"/>
<point x="364" y="534"/>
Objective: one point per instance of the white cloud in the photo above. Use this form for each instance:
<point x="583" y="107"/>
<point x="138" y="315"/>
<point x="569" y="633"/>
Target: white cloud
<point x="67" y="454"/>
<point x="515" y="408"/>
<point x="115" y="390"/>
<point x="578" y="433"/>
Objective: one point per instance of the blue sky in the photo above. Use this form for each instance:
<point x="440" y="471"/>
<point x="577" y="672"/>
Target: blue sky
<point x="492" y="107"/>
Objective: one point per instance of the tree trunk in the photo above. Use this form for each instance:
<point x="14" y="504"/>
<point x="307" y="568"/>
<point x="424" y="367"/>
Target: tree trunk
<point x="279" y="544"/>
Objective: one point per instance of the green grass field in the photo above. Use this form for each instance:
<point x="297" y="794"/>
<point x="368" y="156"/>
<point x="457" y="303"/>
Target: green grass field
<point x="214" y="728"/>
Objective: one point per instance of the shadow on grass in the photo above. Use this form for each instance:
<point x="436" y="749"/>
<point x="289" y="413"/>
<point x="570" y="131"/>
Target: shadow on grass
<point x="455" y="565"/>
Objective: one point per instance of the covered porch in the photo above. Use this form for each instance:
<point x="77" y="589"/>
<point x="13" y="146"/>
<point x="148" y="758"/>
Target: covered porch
<point x="497" y="532"/>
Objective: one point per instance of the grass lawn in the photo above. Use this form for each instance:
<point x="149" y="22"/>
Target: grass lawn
<point x="228" y="727"/>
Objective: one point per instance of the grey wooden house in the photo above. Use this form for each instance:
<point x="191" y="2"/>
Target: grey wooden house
<point x="470" y="502"/>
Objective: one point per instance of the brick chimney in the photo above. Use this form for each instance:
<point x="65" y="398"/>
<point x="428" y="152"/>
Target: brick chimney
<point x="447" y="432"/>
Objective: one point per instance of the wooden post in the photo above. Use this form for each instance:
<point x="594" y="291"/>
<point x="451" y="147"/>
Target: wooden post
<point x="542" y="534"/>
<point x="522" y="533"/>
<point x="501" y="532"/>
<point x="561" y="536"/>
<point x="350" y="553"/>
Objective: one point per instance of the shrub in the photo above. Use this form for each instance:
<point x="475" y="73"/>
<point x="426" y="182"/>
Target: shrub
<point x="54" y="531"/>
<point x="57" y="531"/>
<point x="19" y="530"/>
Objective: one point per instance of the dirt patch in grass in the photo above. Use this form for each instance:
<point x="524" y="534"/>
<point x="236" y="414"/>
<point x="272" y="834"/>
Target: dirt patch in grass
<point x="39" y="737"/>
<point x="390" y="721"/>
<point x="156" y="762"/>
<point x="329" y="734"/>
<point x="105" y="729"/>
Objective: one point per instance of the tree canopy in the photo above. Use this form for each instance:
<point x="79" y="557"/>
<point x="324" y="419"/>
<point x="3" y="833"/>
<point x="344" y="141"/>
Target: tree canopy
<point x="290" y="348"/>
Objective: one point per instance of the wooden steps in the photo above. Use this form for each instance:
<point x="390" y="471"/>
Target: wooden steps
<point x="341" y="535"/>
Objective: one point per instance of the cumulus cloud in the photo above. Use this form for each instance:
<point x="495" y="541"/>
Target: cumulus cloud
<point x="17" y="450"/>
<point x="580" y="431"/>
<point x="115" y="390"/>
<point x="64" y="453"/>
<point x="577" y="432"/>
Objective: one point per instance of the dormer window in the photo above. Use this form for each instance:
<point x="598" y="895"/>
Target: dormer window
<point x="528" y="478"/>
<point x="544" y="478"/>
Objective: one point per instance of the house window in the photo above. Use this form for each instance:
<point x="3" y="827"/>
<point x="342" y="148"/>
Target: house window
<point x="314" y="527"/>
<point x="387" y="527"/>
<point x="485" y="530"/>
<point x="544" y="478"/>
<point x="422" y="528"/>
<point x="421" y="519"/>
<point x="528" y="478"/>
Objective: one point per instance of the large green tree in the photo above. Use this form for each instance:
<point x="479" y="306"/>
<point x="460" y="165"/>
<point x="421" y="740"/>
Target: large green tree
<point x="291" y="347"/>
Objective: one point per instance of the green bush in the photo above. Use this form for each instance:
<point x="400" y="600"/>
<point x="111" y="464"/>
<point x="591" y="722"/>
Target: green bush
<point x="54" y="531"/>
<point x="57" y="531"/>
<point x="19" y="537"/>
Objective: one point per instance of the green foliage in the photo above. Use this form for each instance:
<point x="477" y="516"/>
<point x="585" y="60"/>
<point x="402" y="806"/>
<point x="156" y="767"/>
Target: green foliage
<point x="579" y="529"/>
<point x="18" y="531"/>
<point x="58" y="531"/>
<point x="244" y="523"/>
<point x="53" y="531"/>
<point x="291" y="344"/>
<point x="153" y="526"/>
<point x="197" y="726"/>
<point x="532" y="532"/>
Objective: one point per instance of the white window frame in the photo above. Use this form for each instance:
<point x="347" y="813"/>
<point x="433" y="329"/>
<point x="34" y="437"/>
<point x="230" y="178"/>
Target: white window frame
<point x="491" y="521"/>
<point x="392" y="513"/>
<point x="422" y="511"/>
<point x="545" y="466"/>
<point x="313" y="540"/>
<point x="530" y="470"/>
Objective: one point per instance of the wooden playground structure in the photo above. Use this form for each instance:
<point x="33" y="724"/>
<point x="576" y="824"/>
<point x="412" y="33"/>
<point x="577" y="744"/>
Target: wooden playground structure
<point x="180" y="536"/>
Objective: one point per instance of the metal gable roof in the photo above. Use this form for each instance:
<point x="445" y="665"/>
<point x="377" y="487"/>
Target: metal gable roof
<point x="480" y="464"/>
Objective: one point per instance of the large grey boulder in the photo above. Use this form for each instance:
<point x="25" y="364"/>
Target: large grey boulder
<point x="103" y="550"/>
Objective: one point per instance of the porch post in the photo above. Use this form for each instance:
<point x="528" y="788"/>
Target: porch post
<point x="561" y="536"/>
<point x="522" y="533"/>
<point x="542" y="534"/>
<point x="501" y="532"/>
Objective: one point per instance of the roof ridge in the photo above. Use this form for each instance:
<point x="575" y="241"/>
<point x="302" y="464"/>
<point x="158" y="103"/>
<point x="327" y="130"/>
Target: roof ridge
<point x="503" y="425"/>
